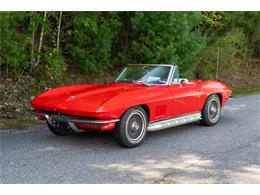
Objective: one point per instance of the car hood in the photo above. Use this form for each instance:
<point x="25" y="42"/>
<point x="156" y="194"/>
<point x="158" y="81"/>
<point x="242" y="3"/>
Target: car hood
<point x="68" y="99"/>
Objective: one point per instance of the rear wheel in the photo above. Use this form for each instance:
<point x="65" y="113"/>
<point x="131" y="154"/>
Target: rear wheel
<point x="60" y="129"/>
<point x="211" y="110"/>
<point x="131" y="129"/>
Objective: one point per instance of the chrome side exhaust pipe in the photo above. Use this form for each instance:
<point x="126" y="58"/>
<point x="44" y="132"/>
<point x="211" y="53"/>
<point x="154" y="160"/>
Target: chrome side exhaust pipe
<point x="174" y="122"/>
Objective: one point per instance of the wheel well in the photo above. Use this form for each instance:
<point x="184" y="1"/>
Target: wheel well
<point x="146" y="109"/>
<point x="220" y="97"/>
<point x="144" y="106"/>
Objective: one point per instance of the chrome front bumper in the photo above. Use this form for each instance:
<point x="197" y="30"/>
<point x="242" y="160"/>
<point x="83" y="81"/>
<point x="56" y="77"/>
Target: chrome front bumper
<point x="72" y="121"/>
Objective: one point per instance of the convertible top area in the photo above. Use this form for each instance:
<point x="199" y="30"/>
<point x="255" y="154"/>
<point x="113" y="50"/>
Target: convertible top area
<point x="173" y="71"/>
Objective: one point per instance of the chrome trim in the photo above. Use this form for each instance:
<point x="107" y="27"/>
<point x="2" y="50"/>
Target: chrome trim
<point x="174" y="122"/>
<point x="151" y="65"/>
<point x="173" y="68"/>
<point x="93" y="121"/>
<point x="79" y="120"/>
<point x="74" y="127"/>
<point x="120" y="74"/>
<point x="72" y="122"/>
<point x="48" y="118"/>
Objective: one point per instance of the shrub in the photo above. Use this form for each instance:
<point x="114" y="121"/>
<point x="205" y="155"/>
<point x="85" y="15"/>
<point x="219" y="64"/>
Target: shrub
<point x="55" y="67"/>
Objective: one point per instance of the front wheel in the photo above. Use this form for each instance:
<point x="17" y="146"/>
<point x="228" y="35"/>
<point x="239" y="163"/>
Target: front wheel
<point x="211" y="110"/>
<point x="131" y="130"/>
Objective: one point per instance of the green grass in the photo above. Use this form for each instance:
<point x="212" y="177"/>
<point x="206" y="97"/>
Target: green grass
<point x="18" y="123"/>
<point x="245" y="91"/>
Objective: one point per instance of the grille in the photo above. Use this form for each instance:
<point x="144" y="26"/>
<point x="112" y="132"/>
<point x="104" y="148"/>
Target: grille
<point x="61" y="118"/>
<point x="65" y="118"/>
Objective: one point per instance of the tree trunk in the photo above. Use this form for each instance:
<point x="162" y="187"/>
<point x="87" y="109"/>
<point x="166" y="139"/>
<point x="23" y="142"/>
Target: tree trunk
<point x="58" y="35"/>
<point x="32" y="42"/>
<point x="41" y="38"/>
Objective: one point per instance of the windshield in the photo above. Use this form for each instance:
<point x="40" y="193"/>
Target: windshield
<point x="146" y="74"/>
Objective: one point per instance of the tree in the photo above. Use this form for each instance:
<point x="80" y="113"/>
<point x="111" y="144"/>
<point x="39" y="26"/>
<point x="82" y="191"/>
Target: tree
<point x="14" y="56"/>
<point x="41" y="38"/>
<point x="33" y="28"/>
<point x="92" y="38"/>
<point x="58" y="34"/>
<point x="231" y="38"/>
<point x="165" y="37"/>
<point x="92" y="42"/>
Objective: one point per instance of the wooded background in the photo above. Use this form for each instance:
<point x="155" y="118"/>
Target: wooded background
<point x="40" y="50"/>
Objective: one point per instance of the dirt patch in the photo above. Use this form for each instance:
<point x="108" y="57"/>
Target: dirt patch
<point x="247" y="76"/>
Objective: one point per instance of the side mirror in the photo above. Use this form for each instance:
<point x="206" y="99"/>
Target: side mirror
<point x="184" y="82"/>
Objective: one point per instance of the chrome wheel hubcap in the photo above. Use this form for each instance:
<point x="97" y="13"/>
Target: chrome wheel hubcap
<point x="214" y="110"/>
<point x="135" y="126"/>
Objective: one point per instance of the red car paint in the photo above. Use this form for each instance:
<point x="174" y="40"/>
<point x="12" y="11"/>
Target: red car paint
<point x="110" y="101"/>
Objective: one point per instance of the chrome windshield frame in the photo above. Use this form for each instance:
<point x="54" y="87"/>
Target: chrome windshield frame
<point x="171" y="72"/>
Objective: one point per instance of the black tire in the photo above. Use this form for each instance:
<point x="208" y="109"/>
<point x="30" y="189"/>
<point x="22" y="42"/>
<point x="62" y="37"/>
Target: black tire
<point x="62" y="129"/>
<point x="211" y="111"/>
<point x="131" y="130"/>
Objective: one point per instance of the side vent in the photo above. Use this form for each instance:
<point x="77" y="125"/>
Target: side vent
<point x="160" y="110"/>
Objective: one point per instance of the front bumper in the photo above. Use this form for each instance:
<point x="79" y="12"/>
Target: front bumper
<point x="77" y="123"/>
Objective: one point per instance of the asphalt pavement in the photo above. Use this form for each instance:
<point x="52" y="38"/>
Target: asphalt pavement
<point x="226" y="153"/>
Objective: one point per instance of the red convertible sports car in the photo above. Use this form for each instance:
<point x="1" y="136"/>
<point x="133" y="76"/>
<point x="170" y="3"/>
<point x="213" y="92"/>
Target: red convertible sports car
<point x="144" y="97"/>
